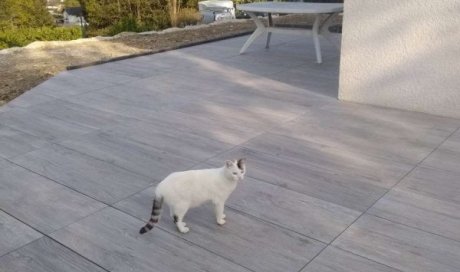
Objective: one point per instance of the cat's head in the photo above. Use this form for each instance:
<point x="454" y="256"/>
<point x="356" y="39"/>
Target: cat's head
<point x="235" y="170"/>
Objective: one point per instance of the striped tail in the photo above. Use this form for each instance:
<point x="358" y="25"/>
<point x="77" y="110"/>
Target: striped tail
<point x="156" y="210"/>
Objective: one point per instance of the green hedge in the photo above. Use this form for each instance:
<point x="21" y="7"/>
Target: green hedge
<point x="24" y="36"/>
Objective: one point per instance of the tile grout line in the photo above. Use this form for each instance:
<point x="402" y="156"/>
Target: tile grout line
<point x="57" y="182"/>
<point x="13" y="250"/>
<point x="364" y="257"/>
<point x="372" y="180"/>
<point x="416" y="228"/>
<point x="155" y="180"/>
<point x="44" y="235"/>
<point x="274" y="224"/>
<point x="390" y="189"/>
<point x="241" y="145"/>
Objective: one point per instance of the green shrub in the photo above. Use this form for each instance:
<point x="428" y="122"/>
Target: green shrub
<point x="3" y="45"/>
<point x="23" y="36"/>
<point x="188" y="16"/>
<point x="125" y="24"/>
<point x="158" y="20"/>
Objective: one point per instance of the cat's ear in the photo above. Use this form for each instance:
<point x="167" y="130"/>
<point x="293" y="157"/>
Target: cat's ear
<point x="241" y="163"/>
<point x="229" y="164"/>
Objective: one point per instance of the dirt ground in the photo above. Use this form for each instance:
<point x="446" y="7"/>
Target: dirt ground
<point x="23" y="68"/>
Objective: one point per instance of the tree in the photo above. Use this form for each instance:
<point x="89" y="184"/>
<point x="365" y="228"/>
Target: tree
<point x="106" y="13"/>
<point x="174" y="9"/>
<point x="24" y="13"/>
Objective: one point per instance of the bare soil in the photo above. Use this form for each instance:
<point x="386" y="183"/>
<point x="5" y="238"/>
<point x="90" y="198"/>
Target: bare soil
<point x="23" y="68"/>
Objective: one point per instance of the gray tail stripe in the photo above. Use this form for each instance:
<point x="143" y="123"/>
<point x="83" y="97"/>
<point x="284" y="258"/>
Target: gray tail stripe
<point x="156" y="210"/>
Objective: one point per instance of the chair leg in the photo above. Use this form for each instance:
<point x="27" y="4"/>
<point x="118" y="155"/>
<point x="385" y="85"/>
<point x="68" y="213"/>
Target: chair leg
<point x="269" y="34"/>
<point x="251" y="39"/>
<point x="315" y="31"/>
<point x="261" y="29"/>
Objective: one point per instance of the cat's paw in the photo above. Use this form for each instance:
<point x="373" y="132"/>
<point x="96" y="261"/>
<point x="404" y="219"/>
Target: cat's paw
<point x="221" y="221"/>
<point x="181" y="227"/>
<point x="223" y="216"/>
<point x="184" y="230"/>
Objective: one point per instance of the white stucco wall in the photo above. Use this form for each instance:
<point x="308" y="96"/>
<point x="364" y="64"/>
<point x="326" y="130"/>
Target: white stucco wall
<point x="402" y="54"/>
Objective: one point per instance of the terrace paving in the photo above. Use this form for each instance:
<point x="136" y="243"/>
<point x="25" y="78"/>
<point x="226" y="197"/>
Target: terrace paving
<point x="331" y="186"/>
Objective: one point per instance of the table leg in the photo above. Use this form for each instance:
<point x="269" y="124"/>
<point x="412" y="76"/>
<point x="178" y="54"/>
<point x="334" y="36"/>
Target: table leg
<point x="269" y="34"/>
<point x="261" y="29"/>
<point x="315" y="31"/>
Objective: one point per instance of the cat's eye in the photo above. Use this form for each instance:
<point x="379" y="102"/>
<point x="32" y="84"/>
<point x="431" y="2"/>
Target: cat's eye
<point x="234" y="173"/>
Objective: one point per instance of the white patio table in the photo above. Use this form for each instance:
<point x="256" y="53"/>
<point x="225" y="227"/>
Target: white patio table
<point x="319" y="28"/>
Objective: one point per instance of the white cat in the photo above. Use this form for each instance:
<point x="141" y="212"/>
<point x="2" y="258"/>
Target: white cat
<point x="188" y="189"/>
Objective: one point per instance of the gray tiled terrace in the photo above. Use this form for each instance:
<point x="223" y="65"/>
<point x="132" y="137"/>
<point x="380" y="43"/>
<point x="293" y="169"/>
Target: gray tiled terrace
<point x="331" y="186"/>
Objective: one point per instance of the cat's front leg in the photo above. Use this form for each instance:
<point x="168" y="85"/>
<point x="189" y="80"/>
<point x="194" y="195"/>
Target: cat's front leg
<point x="219" y="209"/>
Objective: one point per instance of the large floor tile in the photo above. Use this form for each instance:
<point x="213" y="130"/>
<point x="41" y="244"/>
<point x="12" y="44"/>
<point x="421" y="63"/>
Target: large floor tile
<point x="14" y="142"/>
<point x="435" y="183"/>
<point x="169" y="61"/>
<point x="249" y="67"/>
<point x="93" y="73"/>
<point x="419" y="211"/>
<point x="258" y="103"/>
<point x="447" y="156"/>
<point x="111" y="239"/>
<point x="79" y="114"/>
<point x="318" y="81"/>
<point x="68" y="83"/>
<point x="335" y="260"/>
<point x="179" y="86"/>
<point x="272" y="57"/>
<point x="171" y="140"/>
<point x="132" y="155"/>
<point x="208" y="51"/>
<point x="225" y="132"/>
<point x="253" y="87"/>
<point x="257" y="245"/>
<point x="112" y="104"/>
<point x="156" y="93"/>
<point x="348" y="190"/>
<point x="5" y="108"/>
<point x="306" y="215"/>
<point x="98" y="179"/>
<point x="384" y="135"/>
<point x="40" y="202"/>
<point x="42" y="126"/>
<point x="30" y="98"/>
<point x="131" y="68"/>
<point x="377" y="170"/>
<point x="14" y="234"/>
<point x="46" y="255"/>
<point x="257" y="117"/>
<point x="399" y="246"/>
